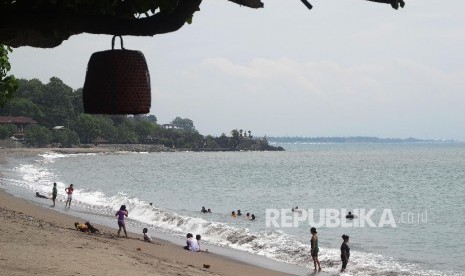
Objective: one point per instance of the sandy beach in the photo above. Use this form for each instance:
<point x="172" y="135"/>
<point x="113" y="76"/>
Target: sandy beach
<point x="41" y="241"/>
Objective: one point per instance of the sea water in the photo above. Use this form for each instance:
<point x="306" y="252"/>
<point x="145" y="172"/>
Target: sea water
<point x="414" y="191"/>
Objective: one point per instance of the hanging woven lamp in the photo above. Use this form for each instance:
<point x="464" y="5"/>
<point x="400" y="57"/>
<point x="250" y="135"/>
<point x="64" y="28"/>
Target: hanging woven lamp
<point x="117" y="82"/>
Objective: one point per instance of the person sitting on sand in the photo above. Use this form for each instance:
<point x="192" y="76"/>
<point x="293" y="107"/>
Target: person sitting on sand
<point x="197" y="238"/>
<point x="40" y="196"/>
<point x="191" y="243"/>
<point x="233" y="214"/>
<point x="188" y="236"/>
<point x="147" y="238"/>
<point x="91" y="228"/>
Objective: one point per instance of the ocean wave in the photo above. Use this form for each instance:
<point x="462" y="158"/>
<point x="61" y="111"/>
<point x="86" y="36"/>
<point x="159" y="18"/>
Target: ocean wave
<point x="274" y="244"/>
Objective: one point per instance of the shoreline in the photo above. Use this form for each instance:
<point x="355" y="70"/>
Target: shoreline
<point x="46" y="236"/>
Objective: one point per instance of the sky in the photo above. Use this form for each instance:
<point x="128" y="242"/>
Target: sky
<point x="344" y="68"/>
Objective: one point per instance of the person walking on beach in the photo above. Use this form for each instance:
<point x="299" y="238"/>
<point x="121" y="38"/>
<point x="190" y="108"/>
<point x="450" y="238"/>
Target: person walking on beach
<point x="345" y="252"/>
<point x="314" y="248"/>
<point x="121" y="224"/>
<point x="54" y="193"/>
<point x="69" y="191"/>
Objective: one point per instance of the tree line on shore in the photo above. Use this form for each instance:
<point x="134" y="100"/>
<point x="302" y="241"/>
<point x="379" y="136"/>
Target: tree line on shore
<point x="60" y="117"/>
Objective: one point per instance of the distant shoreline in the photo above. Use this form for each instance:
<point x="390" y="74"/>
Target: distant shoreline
<point x="354" y="139"/>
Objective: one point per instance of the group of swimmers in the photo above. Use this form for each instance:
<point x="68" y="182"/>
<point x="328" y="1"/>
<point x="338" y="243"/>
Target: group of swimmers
<point x="234" y="214"/>
<point x="314" y="249"/>
<point x="205" y="210"/>
<point x="239" y="213"/>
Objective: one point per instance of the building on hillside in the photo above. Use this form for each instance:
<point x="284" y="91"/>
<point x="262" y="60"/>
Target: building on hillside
<point x="169" y="126"/>
<point x="99" y="140"/>
<point x="150" y="140"/>
<point x="20" y="122"/>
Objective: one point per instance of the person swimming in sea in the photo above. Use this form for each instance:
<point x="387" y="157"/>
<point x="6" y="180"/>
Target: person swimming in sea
<point x="350" y="216"/>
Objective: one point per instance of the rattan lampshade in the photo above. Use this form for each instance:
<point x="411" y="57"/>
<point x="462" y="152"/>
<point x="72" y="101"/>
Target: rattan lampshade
<point x="117" y="82"/>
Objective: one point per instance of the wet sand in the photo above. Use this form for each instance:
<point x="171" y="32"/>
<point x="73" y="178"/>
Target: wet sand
<point x="42" y="241"/>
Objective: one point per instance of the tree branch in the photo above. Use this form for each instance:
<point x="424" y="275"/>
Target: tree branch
<point x="249" y="3"/>
<point x="26" y="23"/>
<point x="47" y="30"/>
<point x="394" y="3"/>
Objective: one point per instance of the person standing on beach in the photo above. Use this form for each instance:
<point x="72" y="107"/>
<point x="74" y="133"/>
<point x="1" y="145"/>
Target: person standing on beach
<point x="345" y="252"/>
<point x="314" y="248"/>
<point x="121" y="224"/>
<point x="69" y="191"/>
<point x="54" y="193"/>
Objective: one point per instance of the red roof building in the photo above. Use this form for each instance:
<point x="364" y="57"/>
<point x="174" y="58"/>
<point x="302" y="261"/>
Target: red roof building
<point x="20" y="121"/>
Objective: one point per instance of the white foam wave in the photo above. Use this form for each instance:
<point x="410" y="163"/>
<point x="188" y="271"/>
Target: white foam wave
<point x="274" y="244"/>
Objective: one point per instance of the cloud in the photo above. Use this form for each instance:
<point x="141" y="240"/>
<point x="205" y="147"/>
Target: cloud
<point x="270" y="95"/>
